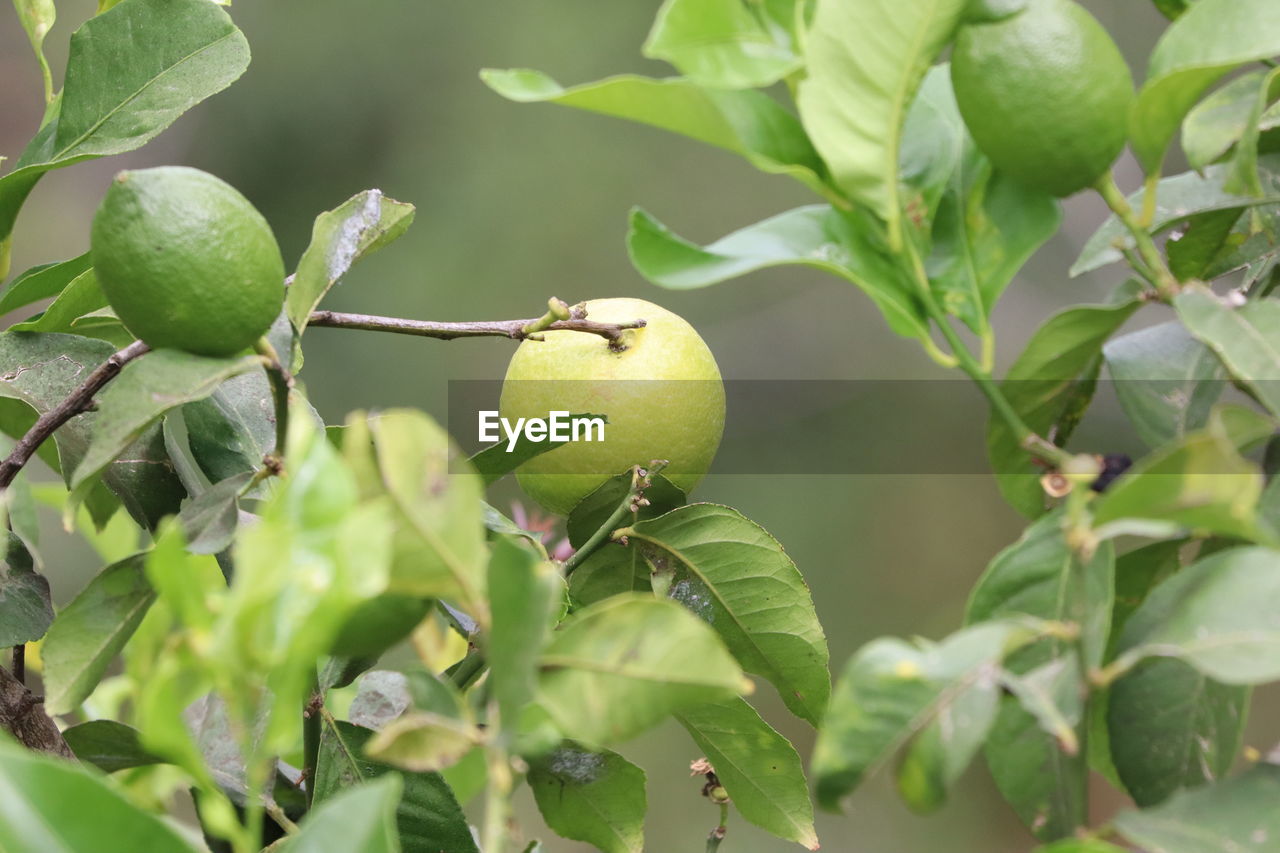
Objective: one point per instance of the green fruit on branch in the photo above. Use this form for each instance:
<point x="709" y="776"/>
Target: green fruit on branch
<point x="662" y="395"/>
<point x="1045" y="94"/>
<point x="186" y="262"/>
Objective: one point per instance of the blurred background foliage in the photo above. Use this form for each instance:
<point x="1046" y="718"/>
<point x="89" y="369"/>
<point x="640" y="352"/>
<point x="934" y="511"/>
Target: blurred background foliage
<point x="516" y="203"/>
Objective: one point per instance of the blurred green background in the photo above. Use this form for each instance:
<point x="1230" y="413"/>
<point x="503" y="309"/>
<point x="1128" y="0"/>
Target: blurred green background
<point x="516" y="203"/>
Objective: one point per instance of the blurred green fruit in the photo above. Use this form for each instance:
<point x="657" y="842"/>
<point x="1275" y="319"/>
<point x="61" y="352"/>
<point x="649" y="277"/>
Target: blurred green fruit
<point x="186" y="261"/>
<point x="1045" y="94"/>
<point x="662" y="395"/>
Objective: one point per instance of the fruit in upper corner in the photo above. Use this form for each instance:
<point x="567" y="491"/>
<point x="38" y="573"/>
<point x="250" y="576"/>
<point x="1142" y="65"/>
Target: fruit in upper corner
<point x="186" y="261"/>
<point x="1045" y="94"/>
<point x="662" y="395"/>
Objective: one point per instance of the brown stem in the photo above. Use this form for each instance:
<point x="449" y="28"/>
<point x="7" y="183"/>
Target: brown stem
<point x="514" y="329"/>
<point x="20" y="663"/>
<point x="22" y="715"/>
<point x="80" y="400"/>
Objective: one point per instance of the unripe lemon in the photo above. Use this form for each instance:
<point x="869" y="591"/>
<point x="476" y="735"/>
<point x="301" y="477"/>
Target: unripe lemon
<point x="1045" y="94"/>
<point x="186" y="261"/>
<point x="662" y="395"/>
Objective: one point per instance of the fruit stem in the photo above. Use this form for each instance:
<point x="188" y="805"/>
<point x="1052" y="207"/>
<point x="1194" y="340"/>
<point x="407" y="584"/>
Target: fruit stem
<point x="281" y="385"/>
<point x="78" y="401"/>
<point x="629" y="504"/>
<point x="1165" y="283"/>
<point x="445" y="331"/>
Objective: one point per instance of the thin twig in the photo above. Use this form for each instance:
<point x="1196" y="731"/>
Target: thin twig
<point x="630" y="504"/>
<point x="78" y="401"/>
<point x="514" y="329"/>
<point x="1165" y="282"/>
<point x="281" y="386"/>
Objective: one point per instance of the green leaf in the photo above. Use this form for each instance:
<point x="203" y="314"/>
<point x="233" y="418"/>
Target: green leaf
<point x="1218" y="122"/>
<point x="424" y="742"/>
<point x="1207" y="240"/>
<point x="25" y="608"/>
<point x="42" y="282"/>
<point x="1177" y="198"/>
<point x="1165" y="380"/>
<point x="1080" y="845"/>
<point x="1219" y="615"/>
<point x="596" y="797"/>
<point x="428" y="816"/>
<point x="733" y="575"/>
<point x="1235" y="814"/>
<point x="891" y="691"/>
<point x="361" y="818"/>
<point x="1244" y="178"/>
<point x="817" y="236"/>
<point x="90" y="631"/>
<point x="37" y="18"/>
<point x="620" y="666"/>
<point x="1047" y="386"/>
<point x="1171" y="728"/>
<point x="1209" y="40"/>
<point x="179" y="53"/>
<point x="595" y="509"/>
<point x="865" y="60"/>
<point x="1040" y="576"/>
<point x="439" y="548"/>
<point x="721" y="44"/>
<point x="353" y="230"/>
<point x="747" y="123"/>
<point x="1054" y="695"/>
<point x="613" y="569"/>
<point x="757" y="766"/>
<point x="525" y="593"/>
<point x="209" y="520"/>
<point x="1246" y="337"/>
<point x="46" y="800"/>
<point x="1200" y="483"/>
<point x="146" y="388"/>
<point x="984" y="226"/>
<point x="108" y="745"/>
<point x="80" y="297"/>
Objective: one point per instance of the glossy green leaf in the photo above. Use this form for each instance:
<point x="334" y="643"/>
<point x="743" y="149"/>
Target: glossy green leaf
<point x="43" y="370"/>
<point x="525" y="593"/>
<point x="613" y="569"/>
<point x="892" y="690"/>
<point x="1235" y="814"/>
<point x="620" y="666"/>
<point x="355" y="229"/>
<point x="817" y="236"/>
<point x="428" y="817"/>
<point x="1215" y="124"/>
<point x="732" y="574"/>
<point x="361" y="817"/>
<point x="1178" y="197"/>
<point x="595" y="509"/>
<point x="90" y="631"/>
<point x="757" y="766"/>
<point x="108" y="745"/>
<point x="721" y="44"/>
<point x="439" y="547"/>
<point x="1209" y="40"/>
<point x="42" y="282"/>
<point x="179" y="53"/>
<point x="1041" y="577"/>
<point x="1166" y="381"/>
<point x="1200" y="483"/>
<point x="1047" y="385"/>
<point x="747" y="123"/>
<point x="81" y="296"/>
<point x="44" y="802"/>
<point x="593" y="796"/>
<point x="145" y="389"/>
<point x="1171" y="727"/>
<point x="1246" y="337"/>
<point x="1207" y="241"/>
<point x="1219" y="615"/>
<point x="865" y="59"/>
<point x="25" y="608"/>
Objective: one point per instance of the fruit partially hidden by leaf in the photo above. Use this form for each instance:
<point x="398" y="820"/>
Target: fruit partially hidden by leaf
<point x="662" y="395"/>
<point x="186" y="262"/>
<point x="1045" y="94"/>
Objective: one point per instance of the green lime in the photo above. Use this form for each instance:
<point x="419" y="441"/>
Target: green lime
<point x="662" y="395"/>
<point x="1045" y="94"/>
<point x="186" y="261"/>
